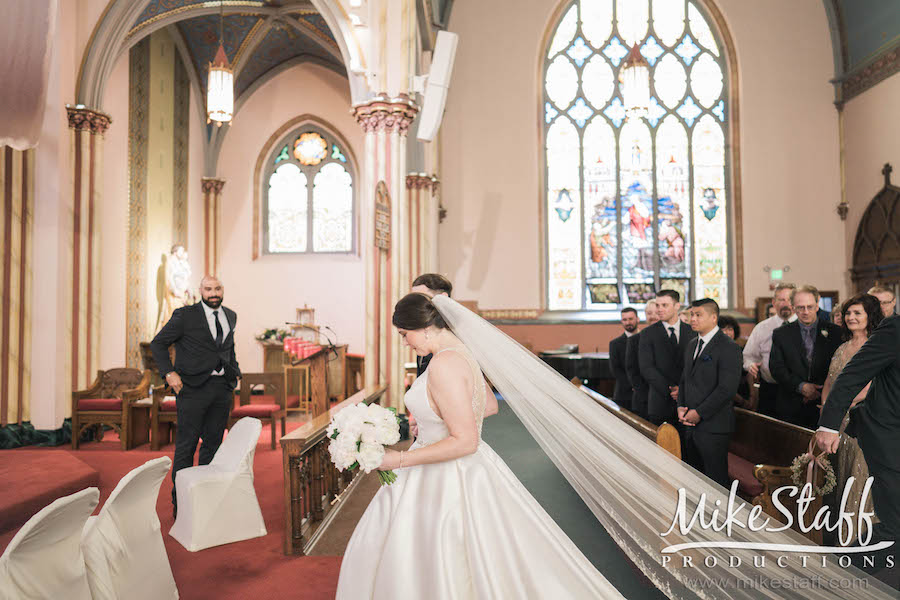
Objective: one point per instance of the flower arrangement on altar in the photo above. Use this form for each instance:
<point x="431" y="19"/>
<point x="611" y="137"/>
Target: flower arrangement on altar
<point x="273" y="335"/>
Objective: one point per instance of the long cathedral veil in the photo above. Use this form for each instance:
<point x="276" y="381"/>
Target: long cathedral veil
<point x="632" y="486"/>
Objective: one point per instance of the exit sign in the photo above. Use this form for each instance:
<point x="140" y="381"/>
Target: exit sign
<point x="776" y="274"/>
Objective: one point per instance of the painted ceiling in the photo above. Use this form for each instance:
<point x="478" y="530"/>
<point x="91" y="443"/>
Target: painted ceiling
<point x="869" y="27"/>
<point x="255" y="40"/>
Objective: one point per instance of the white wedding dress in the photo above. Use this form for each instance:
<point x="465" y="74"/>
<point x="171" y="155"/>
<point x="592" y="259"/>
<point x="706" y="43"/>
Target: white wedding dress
<point x="461" y="529"/>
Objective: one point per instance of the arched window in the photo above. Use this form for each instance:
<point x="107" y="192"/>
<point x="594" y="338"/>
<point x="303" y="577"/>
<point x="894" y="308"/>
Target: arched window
<point x="308" y="204"/>
<point x="635" y="204"/>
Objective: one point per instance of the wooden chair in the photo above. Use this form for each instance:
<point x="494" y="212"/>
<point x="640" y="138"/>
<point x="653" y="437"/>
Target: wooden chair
<point x="268" y="407"/>
<point x="108" y="402"/>
<point x="297" y="389"/>
<point x="162" y="413"/>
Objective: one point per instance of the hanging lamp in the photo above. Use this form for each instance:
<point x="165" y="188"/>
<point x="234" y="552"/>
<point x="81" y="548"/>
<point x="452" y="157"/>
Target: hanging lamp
<point x="220" y="85"/>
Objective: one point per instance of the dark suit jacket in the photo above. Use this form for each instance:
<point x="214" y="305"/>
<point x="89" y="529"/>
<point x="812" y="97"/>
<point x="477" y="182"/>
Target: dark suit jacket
<point x="661" y="366"/>
<point x="618" y="348"/>
<point x="196" y="353"/>
<point x="422" y="363"/>
<point x="878" y="429"/>
<point x="708" y="384"/>
<point x="789" y="367"/>
<point x="633" y="369"/>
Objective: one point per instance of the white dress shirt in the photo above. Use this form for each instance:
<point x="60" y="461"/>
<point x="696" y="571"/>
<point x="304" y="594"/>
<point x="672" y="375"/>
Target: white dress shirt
<point x="211" y="321"/>
<point x="706" y="339"/>
<point x="759" y="345"/>
<point x="676" y="327"/>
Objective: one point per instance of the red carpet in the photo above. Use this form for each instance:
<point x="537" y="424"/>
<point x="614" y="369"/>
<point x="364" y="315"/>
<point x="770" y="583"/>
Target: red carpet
<point x="254" y="569"/>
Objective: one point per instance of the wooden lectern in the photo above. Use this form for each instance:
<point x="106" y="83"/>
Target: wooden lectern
<point x="318" y="376"/>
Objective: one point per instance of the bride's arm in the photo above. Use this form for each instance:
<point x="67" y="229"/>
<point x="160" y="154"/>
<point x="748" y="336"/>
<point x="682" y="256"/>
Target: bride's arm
<point x="451" y="391"/>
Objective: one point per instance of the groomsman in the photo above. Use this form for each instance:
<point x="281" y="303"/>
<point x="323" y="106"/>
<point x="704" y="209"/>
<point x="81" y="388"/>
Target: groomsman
<point x="618" y="349"/>
<point x="430" y="284"/>
<point x="661" y="356"/>
<point x="801" y="356"/>
<point x="709" y="381"/>
<point x="639" y="387"/>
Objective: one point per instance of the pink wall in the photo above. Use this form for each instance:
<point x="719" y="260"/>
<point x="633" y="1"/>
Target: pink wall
<point x="872" y="138"/>
<point x="490" y="241"/>
<point x="266" y="292"/>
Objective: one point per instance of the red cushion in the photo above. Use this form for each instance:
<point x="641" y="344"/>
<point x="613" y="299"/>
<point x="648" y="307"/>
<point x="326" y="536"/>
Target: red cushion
<point x="167" y="406"/>
<point x="293" y="401"/>
<point x="100" y="404"/>
<point x="254" y="410"/>
<point x="352" y="355"/>
<point x="742" y="470"/>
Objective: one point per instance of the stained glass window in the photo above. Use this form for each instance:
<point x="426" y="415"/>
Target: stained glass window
<point x="309" y="195"/>
<point x="635" y="204"/>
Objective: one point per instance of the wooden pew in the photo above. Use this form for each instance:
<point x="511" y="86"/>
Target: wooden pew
<point x="765" y="447"/>
<point x="665" y="436"/>
<point x="313" y="487"/>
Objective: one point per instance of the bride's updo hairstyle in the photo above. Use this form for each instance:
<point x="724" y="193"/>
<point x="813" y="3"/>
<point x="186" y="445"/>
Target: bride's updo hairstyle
<point x="416" y="311"/>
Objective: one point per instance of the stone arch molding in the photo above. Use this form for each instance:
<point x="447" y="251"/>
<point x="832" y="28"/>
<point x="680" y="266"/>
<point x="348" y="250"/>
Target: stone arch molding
<point x="110" y="40"/>
<point x="876" y="249"/>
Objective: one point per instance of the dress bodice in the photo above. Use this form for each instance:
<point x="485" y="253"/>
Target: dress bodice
<point x="431" y="427"/>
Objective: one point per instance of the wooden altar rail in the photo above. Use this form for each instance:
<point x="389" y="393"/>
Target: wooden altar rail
<point x="665" y="436"/>
<point x="313" y="488"/>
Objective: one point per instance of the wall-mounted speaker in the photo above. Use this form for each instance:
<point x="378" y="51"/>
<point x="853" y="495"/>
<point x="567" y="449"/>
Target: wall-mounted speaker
<point x="437" y="85"/>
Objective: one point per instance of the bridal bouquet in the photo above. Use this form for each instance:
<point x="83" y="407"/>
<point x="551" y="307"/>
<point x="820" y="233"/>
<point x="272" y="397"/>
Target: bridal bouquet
<point x="359" y="434"/>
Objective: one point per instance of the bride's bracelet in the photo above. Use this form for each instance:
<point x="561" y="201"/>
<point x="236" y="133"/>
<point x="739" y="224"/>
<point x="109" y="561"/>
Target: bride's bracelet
<point x="401" y="459"/>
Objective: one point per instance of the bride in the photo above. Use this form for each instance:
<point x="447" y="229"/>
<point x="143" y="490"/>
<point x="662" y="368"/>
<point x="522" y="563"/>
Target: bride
<point x="457" y="523"/>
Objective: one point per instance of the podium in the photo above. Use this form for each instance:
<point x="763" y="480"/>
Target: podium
<point x="322" y="387"/>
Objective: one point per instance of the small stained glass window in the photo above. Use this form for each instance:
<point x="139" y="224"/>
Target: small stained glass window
<point x="309" y="195"/>
<point x="310" y="148"/>
<point x="635" y="204"/>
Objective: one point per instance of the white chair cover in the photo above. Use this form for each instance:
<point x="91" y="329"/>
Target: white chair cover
<point x="44" y="558"/>
<point x="123" y="545"/>
<point x="217" y="502"/>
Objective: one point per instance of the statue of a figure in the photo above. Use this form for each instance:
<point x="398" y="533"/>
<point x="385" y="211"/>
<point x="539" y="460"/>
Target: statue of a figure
<point x="177" y="285"/>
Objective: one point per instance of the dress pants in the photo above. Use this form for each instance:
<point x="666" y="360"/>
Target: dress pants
<point x="202" y="413"/>
<point x="708" y="453"/>
<point x="767" y="394"/>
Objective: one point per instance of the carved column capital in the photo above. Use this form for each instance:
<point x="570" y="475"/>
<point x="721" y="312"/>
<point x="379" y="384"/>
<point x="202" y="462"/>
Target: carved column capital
<point x="382" y="113"/>
<point x="85" y="119"/>
<point x="212" y="184"/>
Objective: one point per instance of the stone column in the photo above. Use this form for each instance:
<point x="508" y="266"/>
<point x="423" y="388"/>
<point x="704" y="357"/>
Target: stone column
<point x="16" y="258"/>
<point x="87" y="128"/>
<point x="386" y="122"/>
<point x="423" y="222"/>
<point x="212" y="195"/>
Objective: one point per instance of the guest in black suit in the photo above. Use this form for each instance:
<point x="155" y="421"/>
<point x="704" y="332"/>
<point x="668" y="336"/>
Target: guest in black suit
<point x="639" y="387"/>
<point x="618" y="348"/>
<point x="712" y="373"/>
<point x="430" y="284"/>
<point x="801" y="355"/>
<point x="204" y="375"/>
<point x="877" y="423"/>
<point x="661" y="356"/>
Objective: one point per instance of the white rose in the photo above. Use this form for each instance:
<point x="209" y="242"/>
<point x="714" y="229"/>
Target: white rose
<point x="387" y="434"/>
<point x="368" y="434"/>
<point x="370" y="456"/>
<point x="341" y="455"/>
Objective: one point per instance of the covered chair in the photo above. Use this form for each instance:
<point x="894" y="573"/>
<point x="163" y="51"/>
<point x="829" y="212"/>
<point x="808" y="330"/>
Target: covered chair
<point x="109" y="402"/>
<point x="217" y="502"/>
<point x="267" y="407"/>
<point x="123" y="545"/>
<point x="44" y="559"/>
